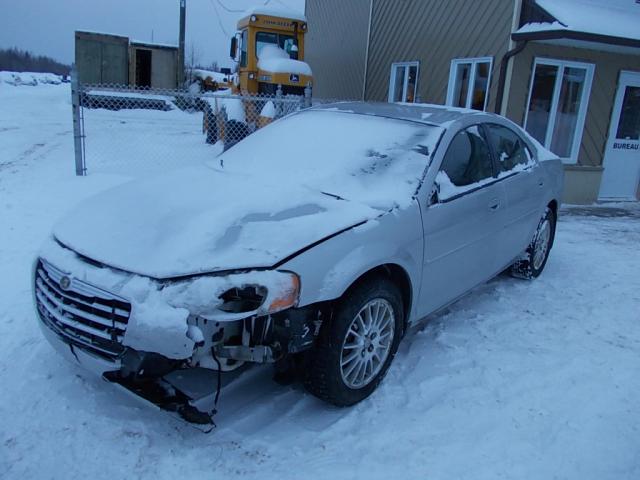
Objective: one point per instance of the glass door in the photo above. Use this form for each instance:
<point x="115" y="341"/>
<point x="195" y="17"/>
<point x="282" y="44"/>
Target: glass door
<point x="621" y="176"/>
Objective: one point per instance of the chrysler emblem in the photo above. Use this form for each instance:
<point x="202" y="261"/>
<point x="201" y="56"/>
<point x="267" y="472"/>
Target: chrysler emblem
<point x="65" y="283"/>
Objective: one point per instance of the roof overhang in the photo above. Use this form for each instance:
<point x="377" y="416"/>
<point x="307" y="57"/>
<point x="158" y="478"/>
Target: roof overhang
<point x="575" y="39"/>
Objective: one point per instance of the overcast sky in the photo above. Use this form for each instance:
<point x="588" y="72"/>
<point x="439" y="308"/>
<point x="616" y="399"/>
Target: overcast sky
<point x="46" y="27"/>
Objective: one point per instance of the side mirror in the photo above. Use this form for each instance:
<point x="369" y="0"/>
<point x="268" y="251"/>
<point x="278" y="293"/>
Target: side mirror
<point x="434" y="196"/>
<point x="234" y="47"/>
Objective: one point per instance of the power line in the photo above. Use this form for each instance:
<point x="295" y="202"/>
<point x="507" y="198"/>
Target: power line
<point x="219" y="19"/>
<point x="227" y="9"/>
<point x="283" y="4"/>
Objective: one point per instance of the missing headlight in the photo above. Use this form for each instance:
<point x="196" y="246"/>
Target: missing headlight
<point x="245" y="299"/>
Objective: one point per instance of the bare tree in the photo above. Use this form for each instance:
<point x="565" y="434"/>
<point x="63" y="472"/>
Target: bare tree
<point x="191" y="63"/>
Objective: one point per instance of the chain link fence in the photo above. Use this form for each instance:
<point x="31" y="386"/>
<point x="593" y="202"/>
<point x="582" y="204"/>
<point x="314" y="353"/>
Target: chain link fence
<point x="137" y="131"/>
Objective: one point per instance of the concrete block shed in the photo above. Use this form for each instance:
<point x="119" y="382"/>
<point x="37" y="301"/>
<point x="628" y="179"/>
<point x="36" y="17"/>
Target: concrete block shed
<point x="112" y="59"/>
<point x="568" y="71"/>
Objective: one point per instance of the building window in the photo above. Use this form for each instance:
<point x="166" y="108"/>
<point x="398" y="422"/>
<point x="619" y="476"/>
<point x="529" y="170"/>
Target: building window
<point x="469" y="80"/>
<point x="557" y="107"/>
<point x="403" y="82"/>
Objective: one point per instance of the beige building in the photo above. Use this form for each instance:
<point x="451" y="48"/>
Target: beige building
<point x="568" y="71"/>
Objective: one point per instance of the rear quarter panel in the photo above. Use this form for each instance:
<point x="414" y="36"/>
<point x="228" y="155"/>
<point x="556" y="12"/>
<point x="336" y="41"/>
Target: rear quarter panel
<point x="554" y="173"/>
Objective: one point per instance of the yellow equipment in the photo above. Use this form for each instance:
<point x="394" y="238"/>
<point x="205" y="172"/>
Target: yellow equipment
<point x="268" y="49"/>
<point x="257" y="31"/>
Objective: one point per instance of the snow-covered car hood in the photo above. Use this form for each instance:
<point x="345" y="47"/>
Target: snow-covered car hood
<point x="202" y="220"/>
<point x="284" y="187"/>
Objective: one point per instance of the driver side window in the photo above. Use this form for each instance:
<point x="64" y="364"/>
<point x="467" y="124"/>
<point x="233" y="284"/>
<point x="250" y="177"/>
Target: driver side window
<point x="468" y="159"/>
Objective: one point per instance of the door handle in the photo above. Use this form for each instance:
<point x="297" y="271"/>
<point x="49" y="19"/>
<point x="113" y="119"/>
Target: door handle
<point x="494" y="205"/>
<point x="540" y="182"/>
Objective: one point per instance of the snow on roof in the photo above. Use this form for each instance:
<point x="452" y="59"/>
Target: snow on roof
<point x="275" y="60"/>
<point x="152" y="44"/>
<point x="615" y="18"/>
<point x="276" y="12"/>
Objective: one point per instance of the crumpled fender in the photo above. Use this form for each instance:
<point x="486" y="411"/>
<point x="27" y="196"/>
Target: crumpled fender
<point x="328" y="269"/>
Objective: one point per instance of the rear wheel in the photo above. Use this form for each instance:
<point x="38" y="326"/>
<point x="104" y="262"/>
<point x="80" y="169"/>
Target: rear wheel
<point x="537" y="253"/>
<point x="356" y="348"/>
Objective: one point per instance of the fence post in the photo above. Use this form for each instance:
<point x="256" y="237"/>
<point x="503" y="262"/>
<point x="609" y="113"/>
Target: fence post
<point x="78" y="137"/>
<point x="279" y="103"/>
<point x="307" y="96"/>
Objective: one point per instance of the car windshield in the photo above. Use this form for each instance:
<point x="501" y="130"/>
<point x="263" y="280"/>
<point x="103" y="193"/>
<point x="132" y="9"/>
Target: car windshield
<point x="375" y="160"/>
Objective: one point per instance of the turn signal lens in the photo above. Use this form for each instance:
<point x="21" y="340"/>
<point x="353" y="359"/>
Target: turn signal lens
<point x="287" y="297"/>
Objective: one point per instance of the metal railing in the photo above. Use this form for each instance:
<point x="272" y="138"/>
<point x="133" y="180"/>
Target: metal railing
<point x="138" y="131"/>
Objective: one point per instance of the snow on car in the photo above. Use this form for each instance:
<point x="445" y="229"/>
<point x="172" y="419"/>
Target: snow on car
<point x="314" y="251"/>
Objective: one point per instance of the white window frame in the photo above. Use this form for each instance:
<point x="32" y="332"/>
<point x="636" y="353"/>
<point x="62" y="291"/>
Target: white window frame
<point x="392" y="79"/>
<point x="453" y="73"/>
<point x="584" y="102"/>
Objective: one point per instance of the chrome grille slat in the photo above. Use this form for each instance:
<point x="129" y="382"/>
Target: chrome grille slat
<point x="78" y="337"/>
<point x="56" y="274"/>
<point x="87" y="316"/>
<point x="60" y="317"/>
<point x="121" y="316"/>
<point x="80" y="313"/>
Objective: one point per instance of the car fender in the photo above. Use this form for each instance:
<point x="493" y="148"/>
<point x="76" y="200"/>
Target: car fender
<point x="328" y="269"/>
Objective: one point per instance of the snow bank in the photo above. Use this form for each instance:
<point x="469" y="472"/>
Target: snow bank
<point x="275" y="60"/>
<point x="29" y="78"/>
<point x="269" y="110"/>
<point x="216" y="76"/>
<point x="234" y="106"/>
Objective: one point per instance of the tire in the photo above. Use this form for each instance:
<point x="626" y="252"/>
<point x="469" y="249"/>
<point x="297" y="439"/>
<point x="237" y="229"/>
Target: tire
<point x="537" y="253"/>
<point x="330" y="373"/>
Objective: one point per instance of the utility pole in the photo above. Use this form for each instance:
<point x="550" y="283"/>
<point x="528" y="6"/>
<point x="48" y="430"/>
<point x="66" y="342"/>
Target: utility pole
<point x="183" y="14"/>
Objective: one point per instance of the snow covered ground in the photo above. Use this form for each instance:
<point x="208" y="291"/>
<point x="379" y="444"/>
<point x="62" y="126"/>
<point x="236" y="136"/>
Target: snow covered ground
<point x="519" y="380"/>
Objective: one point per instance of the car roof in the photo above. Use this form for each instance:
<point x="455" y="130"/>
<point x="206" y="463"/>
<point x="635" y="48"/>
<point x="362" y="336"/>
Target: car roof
<point x="439" y="115"/>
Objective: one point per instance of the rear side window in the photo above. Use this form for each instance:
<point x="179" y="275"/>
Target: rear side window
<point x="510" y="149"/>
<point x="467" y="160"/>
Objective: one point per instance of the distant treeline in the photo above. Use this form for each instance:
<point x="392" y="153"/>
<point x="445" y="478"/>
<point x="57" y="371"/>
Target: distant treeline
<point x="15" y="60"/>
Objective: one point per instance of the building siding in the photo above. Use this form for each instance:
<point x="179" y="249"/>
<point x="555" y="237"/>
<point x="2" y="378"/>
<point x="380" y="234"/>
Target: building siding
<point x="605" y="81"/>
<point x="336" y="46"/>
<point x="434" y="32"/>
<point x="101" y="58"/>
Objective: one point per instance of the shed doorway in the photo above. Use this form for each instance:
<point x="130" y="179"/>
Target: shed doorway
<point x="143" y="68"/>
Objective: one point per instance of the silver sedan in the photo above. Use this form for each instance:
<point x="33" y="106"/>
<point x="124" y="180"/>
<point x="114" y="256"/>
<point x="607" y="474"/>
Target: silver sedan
<point x="312" y="244"/>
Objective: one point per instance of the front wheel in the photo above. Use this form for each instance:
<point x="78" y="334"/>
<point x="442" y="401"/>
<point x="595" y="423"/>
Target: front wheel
<point x="537" y="253"/>
<point x="356" y="348"/>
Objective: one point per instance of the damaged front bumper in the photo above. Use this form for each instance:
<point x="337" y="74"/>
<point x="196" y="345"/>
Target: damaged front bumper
<point x="167" y="355"/>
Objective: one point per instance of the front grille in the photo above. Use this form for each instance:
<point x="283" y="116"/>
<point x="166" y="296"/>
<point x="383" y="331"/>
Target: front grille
<point x="86" y="316"/>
